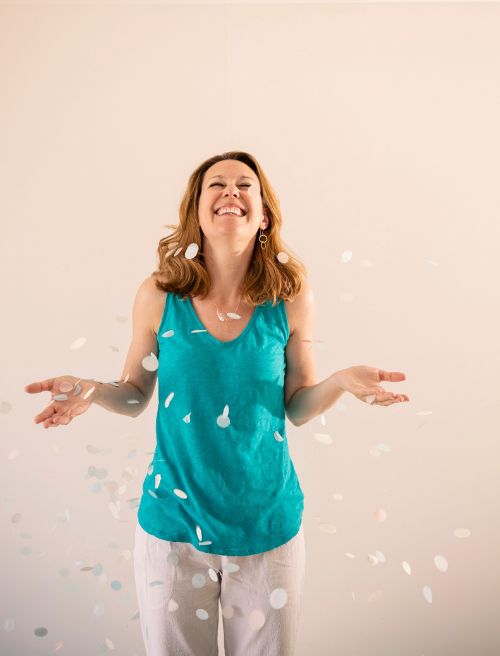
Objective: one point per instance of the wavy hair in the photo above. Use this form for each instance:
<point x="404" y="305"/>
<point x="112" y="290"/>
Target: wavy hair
<point x="266" y="277"/>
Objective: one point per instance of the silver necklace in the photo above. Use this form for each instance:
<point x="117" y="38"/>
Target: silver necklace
<point x="228" y="315"/>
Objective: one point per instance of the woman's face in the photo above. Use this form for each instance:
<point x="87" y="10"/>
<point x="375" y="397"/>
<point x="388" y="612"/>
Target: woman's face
<point x="231" y="182"/>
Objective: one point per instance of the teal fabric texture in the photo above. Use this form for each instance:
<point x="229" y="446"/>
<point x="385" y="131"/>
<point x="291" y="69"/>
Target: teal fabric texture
<point x="221" y="477"/>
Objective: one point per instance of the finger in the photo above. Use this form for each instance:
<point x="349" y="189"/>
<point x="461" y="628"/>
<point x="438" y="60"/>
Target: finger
<point x="391" y="376"/>
<point x="47" y="413"/>
<point x="40" y="386"/>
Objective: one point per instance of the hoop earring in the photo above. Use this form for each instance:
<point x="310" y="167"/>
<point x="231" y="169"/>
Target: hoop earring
<point x="263" y="240"/>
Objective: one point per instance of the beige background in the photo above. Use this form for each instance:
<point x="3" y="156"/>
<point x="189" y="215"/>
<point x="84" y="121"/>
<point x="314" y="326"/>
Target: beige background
<point x="378" y="127"/>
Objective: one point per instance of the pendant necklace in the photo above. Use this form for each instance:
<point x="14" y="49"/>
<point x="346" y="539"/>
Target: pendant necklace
<point x="228" y="315"/>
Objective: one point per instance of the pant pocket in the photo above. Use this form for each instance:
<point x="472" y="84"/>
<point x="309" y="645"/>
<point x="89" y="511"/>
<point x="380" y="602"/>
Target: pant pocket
<point x="154" y="569"/>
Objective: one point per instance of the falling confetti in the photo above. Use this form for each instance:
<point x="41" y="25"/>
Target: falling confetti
<point x="41" y="631"/>
<point x="168" y="333"/>
<point x="346" y="256"/>
<point x="282" y="257"/>
<point x="324" y="438"/>
<point x="191" y="251"/>
<point x="380" y="515"/>
<point x="150" y="362"/>
<point x="278" y="598"/>
<point x="256" y="619"/>
<point x="198" y="581"/>
<point x="441" y="563"/>
<point x="201" y="614"/>
<point x="169" y="399"/>
<point x="180" y="493"/>
<point x="78" y="343"/>
<point x="88" y="393"/>
<point x="172" y="606"/>
<point x="278" y="437"/>
<point x="427" y="592"/>
<point x="223" y="420"/>
<point x="406" y="567"/>
<point x="328" y="528"/>
<point x="461" y="533"/>
<point x="116" y="585"/>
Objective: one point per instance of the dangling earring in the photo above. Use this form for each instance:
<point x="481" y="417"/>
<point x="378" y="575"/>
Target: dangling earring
<point x="263" y="240"/>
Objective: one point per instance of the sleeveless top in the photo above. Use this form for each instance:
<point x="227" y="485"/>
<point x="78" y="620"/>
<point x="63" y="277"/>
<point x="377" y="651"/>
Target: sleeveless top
<point x="221" y="477"/>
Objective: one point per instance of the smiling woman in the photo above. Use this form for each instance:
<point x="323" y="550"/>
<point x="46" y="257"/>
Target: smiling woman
<point x="265" y="277"/>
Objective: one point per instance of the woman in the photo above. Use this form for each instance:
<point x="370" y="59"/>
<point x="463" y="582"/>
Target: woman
<point x="226" y="324"/>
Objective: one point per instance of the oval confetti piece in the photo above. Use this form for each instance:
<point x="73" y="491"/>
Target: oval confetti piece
<point x="191" y="251"/>
<point x="77" y="343"/>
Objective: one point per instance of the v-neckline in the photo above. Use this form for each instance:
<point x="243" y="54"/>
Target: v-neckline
<point x="214" y="339"/>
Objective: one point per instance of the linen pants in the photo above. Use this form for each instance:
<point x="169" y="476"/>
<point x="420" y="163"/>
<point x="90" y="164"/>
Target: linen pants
<point x="179" y="589"/>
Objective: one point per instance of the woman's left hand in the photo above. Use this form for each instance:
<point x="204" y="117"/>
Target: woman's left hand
<point x="363" y="382"/>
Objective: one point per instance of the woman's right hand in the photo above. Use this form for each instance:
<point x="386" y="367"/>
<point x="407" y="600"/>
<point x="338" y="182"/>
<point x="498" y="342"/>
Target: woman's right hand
<point x="62" y="410"/>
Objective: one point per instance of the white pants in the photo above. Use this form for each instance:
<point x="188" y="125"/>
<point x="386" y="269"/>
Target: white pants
<point x="179" y="589"/>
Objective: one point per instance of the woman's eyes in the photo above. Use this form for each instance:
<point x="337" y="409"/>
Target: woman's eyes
<point x="220" y="183"/>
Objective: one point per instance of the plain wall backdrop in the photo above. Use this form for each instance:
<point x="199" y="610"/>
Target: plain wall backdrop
<point x="378" y="127"/>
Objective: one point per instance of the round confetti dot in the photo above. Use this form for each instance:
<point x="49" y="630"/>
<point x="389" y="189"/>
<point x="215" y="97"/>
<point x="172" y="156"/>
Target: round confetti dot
<point x="150" y="362"/>
<point x="198" y="581"/>
<point x="282" y="257"/>
<point x="116" y="585"/>
<point x="256" y="619"/>
<point x="278" y="598"/>
<point x="223" y="421"/>
<point x="201" y="614"/>
<point x="41" y="631"/>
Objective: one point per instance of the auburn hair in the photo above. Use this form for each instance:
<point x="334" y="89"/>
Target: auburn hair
<point x="266" y="277"/>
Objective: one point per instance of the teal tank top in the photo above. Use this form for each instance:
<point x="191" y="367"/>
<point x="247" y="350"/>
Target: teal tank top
<point x="221" y="477"/>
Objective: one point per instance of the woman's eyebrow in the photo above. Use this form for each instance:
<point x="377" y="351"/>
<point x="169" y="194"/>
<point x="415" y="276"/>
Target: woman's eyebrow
<point x="241" y="176"/>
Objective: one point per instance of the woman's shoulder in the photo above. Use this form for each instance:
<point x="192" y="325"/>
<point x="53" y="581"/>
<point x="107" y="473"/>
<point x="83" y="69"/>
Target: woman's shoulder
<point x="154" y="299"/>
<point x="301" y="305"/>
